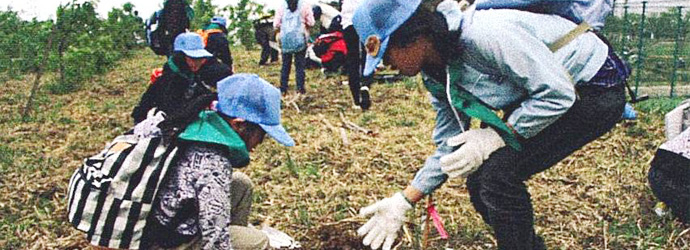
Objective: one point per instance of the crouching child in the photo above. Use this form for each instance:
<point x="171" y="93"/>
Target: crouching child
<point x="670" y="168"/>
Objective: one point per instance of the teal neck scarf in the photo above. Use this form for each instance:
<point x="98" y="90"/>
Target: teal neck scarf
<point x="211" y="128"/>
<point x="463" y="101"/>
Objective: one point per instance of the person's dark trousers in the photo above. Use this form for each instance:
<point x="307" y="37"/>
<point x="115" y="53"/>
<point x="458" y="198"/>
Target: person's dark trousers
<point x="300" y="63"/>
<point x="266" y="52"/>
<point x="354" y="62"/>
<point x="497" y="189"/>
<point x="668" y="178"/>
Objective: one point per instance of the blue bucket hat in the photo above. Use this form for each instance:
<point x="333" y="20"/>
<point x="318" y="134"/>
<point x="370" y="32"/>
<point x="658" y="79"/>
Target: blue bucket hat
<point x="375" y="21"/>
<point x="249" y="97"/>
<point x="219" y="20"/>
<point x="191" y="44"/>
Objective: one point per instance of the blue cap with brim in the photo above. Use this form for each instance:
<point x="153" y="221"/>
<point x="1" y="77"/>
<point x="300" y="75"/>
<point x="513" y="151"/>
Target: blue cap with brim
<point x="375" y="21"/>
<point x="191" y="44"/>
<point x="251" y="98"/>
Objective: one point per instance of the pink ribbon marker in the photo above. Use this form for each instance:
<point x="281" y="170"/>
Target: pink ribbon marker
<point x="438" y="223"/>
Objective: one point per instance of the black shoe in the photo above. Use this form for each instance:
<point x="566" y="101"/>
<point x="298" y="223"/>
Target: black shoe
<point x="364" y="101"/>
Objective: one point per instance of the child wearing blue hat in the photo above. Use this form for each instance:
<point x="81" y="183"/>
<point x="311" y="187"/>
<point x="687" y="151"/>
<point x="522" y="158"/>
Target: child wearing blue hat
<point x="560" y="87"/>
<point x="203" y="204"/>
<point x="189" y="73"/>
<point x="217" y="41"/>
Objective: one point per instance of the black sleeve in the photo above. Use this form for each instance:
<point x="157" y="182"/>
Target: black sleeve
<point x="220" y="47"/>
<point x="147" y="102"/>
<point x="213" y="72"/>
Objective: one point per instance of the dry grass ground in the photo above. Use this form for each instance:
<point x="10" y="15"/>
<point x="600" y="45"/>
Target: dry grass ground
<point x="596" y="199"/>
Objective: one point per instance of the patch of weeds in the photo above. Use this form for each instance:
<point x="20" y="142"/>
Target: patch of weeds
<point x="108" y="107"/>
<point x="91" y="105"/>
<point x="6" y="158"/>
<point x="65" y="120"/>
<point x="341" y="211"/>
<point x="410" y="83"/>
<point x="258" y="196"/>
<point x="304" y="217"/>
<point x="367" y="117"/>
<point x="291" y="166"/>
<point x="636" y="131"/>
<point x="405" y="123"/>
<point x="61" y="88"/>
<point x="312" y="170"/>
<point x="648" y="236"/>
<point x="660" y="105"/>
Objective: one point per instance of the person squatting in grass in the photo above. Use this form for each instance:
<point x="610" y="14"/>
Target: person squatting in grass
<point x="472" y="63"/>
<point x="669" y="171"/>
<point x="190" y="72"/>
<point x="293" y="21"/>
<point x="203" y="204"/>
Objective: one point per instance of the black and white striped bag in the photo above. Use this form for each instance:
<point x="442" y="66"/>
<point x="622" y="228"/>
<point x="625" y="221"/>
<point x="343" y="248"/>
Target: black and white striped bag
<point x="111" y="194"/>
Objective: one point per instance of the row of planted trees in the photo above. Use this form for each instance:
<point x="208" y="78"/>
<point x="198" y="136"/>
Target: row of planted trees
<point x="77" y="45"/>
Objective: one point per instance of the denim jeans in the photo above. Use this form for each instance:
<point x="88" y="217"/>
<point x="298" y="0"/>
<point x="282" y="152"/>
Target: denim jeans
<point x="300" y="62"/>
<point x="497" y="189"/>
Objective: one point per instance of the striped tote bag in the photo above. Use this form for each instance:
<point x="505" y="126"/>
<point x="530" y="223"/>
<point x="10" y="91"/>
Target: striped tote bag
<point x="111" y="194"/>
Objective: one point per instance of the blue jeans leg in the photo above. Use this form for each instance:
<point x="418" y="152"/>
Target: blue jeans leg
<point x="285" y="72"/>
<point x="300" y="65"/>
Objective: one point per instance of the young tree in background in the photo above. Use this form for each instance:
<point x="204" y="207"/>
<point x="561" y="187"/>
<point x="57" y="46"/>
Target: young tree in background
<point x="203" y="11"/>
<point x="241" y="24"/>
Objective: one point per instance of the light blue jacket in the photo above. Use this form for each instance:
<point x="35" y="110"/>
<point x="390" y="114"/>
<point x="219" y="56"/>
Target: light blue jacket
<point x="592" y="11"/>
<point x="507" y="65"/>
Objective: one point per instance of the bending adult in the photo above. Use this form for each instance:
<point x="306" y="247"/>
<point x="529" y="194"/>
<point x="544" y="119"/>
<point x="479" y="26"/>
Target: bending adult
<point x="474" y="62"/>
<point x="354" y="60"/>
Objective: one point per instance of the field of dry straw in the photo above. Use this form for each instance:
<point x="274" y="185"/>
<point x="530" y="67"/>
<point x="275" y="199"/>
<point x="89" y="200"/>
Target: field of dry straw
<point x="596" y="199"/>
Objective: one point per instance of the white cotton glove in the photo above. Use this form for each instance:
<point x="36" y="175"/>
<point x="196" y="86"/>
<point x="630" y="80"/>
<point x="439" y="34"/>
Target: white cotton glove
<point x="389" y="215"/>
<point x="149" y="127"/>
<point x="477" y="145"/>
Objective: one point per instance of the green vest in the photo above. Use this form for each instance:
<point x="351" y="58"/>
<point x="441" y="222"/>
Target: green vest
<point x="211" y="128"/>
<point x="470" y="105"/>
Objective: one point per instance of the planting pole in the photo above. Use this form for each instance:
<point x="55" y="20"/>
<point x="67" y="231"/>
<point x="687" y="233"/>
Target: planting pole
<point x="624" y="39"/>
<point x="675" y="51"/>
<point x="640" y="45"/>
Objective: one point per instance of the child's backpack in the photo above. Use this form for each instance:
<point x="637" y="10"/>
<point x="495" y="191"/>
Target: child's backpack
<point x="292" y="36"/>
<point x="172" y="20"/>
<point x="206" y="33"/>
<point x="112" y="193"/>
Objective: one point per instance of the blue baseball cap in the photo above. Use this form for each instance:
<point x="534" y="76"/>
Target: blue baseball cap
<point x="191" y="44"/>
<point x="219" y="20"/>
<point x="375" y="21"/>
<point x="253" y="99"/>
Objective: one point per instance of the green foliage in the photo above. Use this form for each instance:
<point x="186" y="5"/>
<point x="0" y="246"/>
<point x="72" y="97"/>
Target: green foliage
<point x="88" y="45"/>
<point x="22" y="43"/>
<point x="83" y="44"/>
<point x="203" y="12"/>
<point x="241" y="26"/>
<point x="659" y="105"/>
